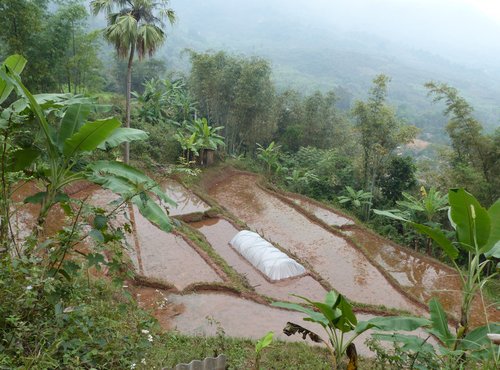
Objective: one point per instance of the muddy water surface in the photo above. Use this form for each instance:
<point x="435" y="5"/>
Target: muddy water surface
<point x="325" y="214"/>
<point x="187" y="202"/>
<point x="219" y="232"/>
<point x="168" y="257"/>
<point x="201" y="313"/>
<point x="420" y="277"/>
<point x="345" y="267"/>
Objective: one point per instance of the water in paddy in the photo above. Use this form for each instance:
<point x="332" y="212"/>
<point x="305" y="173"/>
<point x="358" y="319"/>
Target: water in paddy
<point x="323" y="213"/>
<point x="219" y="232"/>
<point x="187" y="202"/>
<point x="340" y="263"/>
<point x="168" y="257"/>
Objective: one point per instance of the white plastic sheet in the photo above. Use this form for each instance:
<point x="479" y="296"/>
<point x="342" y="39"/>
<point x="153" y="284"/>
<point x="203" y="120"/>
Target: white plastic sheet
<point x="273" y="263"/>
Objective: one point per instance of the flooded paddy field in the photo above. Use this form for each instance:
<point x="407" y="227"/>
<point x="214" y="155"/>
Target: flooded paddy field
<point x="340" y="263"/>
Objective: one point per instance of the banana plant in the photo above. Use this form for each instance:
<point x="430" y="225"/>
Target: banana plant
<point x="477" y="235"/>
<point x="336" y="316"/>
<point x="269" y="156"/>
<point x="261" y="344"/>
<point x="65" y="147"/>
<point x="356" y="198"/>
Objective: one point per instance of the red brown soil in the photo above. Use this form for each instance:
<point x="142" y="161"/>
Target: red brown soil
<point x="420" y="276"/>
<point x="187" y="202"/>
<point x="340" y="263"/>
<point x="321" y="212"/>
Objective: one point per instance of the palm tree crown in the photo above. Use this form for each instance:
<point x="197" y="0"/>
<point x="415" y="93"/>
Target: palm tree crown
<point x="134" y="25"/>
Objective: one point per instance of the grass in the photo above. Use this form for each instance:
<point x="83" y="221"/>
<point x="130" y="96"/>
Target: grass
<point x="174" y="348"/>
<point x="95" y="324"/>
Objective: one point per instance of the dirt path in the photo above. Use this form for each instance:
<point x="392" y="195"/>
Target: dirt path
<point x="345" y="267"/>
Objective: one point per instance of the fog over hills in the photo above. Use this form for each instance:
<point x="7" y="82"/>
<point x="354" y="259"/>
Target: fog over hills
<point x="321" y="44"/>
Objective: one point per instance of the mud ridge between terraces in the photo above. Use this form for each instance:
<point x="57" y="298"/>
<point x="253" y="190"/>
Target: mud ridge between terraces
<point x="229" y="171"/>
<point x="349" y="241"/>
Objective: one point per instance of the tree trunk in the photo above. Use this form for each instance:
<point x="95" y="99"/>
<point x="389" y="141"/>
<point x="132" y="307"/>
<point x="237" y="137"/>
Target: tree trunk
<point x="126" y="151"/>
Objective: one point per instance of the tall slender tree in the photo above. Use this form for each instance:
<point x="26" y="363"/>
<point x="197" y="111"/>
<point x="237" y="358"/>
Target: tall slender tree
<point x="134" y="26"/>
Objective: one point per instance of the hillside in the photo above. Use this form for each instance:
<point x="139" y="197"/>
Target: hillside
<point x="308" y="54"/>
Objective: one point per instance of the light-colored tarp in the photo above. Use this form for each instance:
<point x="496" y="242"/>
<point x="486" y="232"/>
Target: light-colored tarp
<point x="273" y="263"/>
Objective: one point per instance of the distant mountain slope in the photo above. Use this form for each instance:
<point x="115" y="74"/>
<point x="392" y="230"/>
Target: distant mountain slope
<point x="309" y="53"/>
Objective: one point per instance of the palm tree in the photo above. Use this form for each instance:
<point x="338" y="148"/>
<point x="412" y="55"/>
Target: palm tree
<point x="134" y="26"/>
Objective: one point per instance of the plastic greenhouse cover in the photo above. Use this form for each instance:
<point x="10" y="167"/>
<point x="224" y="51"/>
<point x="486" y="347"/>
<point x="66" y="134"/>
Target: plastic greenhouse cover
<point x="273" y="263"/>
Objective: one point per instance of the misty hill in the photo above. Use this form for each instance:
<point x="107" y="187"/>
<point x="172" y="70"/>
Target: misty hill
<point x="320" y="45"/>
<point x="308" y="53"/>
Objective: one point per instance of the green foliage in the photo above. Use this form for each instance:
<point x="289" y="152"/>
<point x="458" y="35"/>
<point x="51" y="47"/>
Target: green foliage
<point x="66" y="54"/>
<point x="356" y="198"/>
<point x="269" y="157"/>
<point x="261" y="344"/>
<point x="62" y="153"/>
<point x="398" y="177"/>
<point x="336" y="317"/>
<point x="133" y="27"/>
<point x="380" y="133"/>
<point x="237" y="93"/>
<point x="160" y="148"/>
<point x="476" y="235"/>
<point x="164" y="101"/>
<point x="475" y="162"/>
<point x="51" y="322"/>
<point x="359" y="200"/>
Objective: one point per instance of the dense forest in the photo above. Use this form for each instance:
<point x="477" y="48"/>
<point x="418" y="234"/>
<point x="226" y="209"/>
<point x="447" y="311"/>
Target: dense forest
<point x="384" y="146"/>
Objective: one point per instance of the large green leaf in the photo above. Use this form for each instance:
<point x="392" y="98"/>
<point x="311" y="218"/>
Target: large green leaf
<point x="73" y="119"/>
<point x="133" y="175"/>
<point x="471" y="219"/>
<point x="440" y="238"/>
<point x="122" y="135"/>
<point x="437" y="235"/>
<point x="389" y="323"/>
<point x="15" y="64"/>
<point x="348" y="319"/>
<point x="37" y="111"/>
<point x="132" y="185"/>
<point x="440" y="323"/>
<point x="264" y="342"/>
<point x="492" y="247"/>
<point x="152" y="211"/>
<point x="390" y="215"/>
<point x="90" y="136"/>
<point x="478" y="343"/>
<point x="21" y="159"/>
<point x="410" y="343"/>
<point x="313" y="315"/>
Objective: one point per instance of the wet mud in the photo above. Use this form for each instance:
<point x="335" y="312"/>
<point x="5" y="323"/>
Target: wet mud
<point x="340" y="263"/>
<point x="219" y="232"/>
<point x="326" y="215"/>
<point x="187" y="202"/>
<point x="24" y="216"/>
<point x="203" y="313"/>
<point x="419" y="276"/>
<point x="168" y="257"/>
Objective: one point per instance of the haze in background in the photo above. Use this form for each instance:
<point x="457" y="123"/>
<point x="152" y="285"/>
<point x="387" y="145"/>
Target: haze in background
<point x="343" y="45"/>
